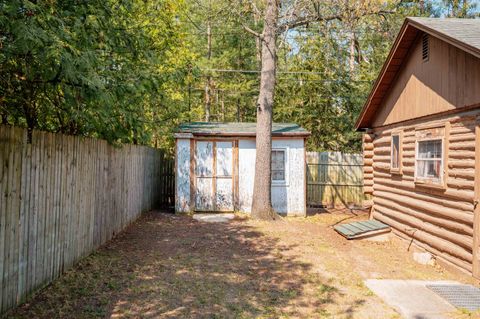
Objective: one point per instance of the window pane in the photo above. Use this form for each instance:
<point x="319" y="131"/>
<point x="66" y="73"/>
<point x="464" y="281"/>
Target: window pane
<point x="278" y="175"/>
<point x="395" y="151"/>
<point x="281" y="160"/>
<point x="277" y="160"/>
<point x="428" y="169"/>
<point x="421" y="168"/>
<point x="278" y="165"/>
<point x="429" y="160"/>
<point x="430" y="149"/>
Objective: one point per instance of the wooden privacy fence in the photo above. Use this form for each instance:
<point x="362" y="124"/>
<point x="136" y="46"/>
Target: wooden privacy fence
<point x="166" y="188"/>
<point x="62" y="197"/>
<point x="334" y="178"/>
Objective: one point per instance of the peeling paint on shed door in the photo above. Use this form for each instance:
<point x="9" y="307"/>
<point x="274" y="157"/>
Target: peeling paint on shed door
<point x="223" y="176"/>
<point x="204" y="175"/>
<point x="213" y="171"/>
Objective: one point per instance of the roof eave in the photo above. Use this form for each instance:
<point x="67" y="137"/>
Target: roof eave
<point x="359" y="124"/>
<point x="459" y="44"/>
<point x="249" y="134"/>
<point x="239" y="134"/>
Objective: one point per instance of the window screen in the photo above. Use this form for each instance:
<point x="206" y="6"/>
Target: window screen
<point x="429" y="159"/>
<point x="395" y="161"/>
<point x="278" y="165"/>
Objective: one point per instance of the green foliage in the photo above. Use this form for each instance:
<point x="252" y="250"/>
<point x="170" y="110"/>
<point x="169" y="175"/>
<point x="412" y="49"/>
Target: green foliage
<point x="343" y="58"/>
<point x="231" y="49"/>
<point x="326" y="95"/>
<point x="110" y="69"/>
<point x="130" y="71"/>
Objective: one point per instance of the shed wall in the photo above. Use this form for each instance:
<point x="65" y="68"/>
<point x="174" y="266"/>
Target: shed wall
<point x="288" y="198"/>
<point x="439" y="220"/>
<point x="182" y="185"/>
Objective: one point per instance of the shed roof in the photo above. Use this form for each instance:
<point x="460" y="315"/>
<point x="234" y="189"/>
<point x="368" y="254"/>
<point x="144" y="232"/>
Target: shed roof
<point x="462" y="33"/>
<point x="239" y="129"/>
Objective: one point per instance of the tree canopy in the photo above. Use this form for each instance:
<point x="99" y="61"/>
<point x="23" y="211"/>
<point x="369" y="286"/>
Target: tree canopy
<point x="130" y="70"/>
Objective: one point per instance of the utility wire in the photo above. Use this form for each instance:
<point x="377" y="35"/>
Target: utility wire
<point x="258" y="71"/>
<point x="280" y="72"/>
<point x="306" y="80"/>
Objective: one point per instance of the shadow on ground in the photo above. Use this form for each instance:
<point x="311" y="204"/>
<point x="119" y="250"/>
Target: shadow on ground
<point x="351" y="213"/>
<point x="167" y="266"/>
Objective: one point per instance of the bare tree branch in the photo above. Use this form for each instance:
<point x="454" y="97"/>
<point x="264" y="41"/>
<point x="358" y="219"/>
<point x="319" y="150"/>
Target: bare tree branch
<point x="249" y="30"/>
<point x="304" y="21"/>
<point x="255" y="8"/>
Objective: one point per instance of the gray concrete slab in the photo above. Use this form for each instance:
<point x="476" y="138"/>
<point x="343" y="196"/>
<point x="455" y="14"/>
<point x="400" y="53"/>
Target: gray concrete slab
<point x="411" y="298"/>
<point x="214" y="218"/>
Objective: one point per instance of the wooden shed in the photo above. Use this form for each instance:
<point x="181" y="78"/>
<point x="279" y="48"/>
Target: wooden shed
<point x="421" y="139"/>
<point x="215" y="167"/>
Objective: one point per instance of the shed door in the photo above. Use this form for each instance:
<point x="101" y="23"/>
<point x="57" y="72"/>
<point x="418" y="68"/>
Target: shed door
<point x="223" y="176"/>
<point x="204" y="174"/>
<point x="213" y="171"/>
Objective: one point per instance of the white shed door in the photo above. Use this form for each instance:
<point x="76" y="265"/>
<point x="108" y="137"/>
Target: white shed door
<point x="213" y="171"/>
<point x="204" y="174"/>
<point x="224" y="172"/>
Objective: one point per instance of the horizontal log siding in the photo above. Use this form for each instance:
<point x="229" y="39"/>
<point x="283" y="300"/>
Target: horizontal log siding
<point x="440" y="221"/>
<point x="61" y="198"/>
<point x="368" y="152"/>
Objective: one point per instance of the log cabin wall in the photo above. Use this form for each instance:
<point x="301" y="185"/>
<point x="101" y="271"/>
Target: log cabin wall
<point x="367" y="163"/>
<point x="439" y="218"/>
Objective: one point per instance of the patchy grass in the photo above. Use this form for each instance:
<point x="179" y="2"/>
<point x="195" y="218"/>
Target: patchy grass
<point x="166" y="266"/>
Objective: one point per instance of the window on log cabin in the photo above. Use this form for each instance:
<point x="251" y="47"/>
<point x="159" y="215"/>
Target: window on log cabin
<point x="429" y="160"/>
<point x="395" y="153"/>
<point x="278" y="165"/>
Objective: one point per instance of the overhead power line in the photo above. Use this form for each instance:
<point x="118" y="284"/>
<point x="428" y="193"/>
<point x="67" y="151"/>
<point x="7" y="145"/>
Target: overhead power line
<point x="258" y="71"/>
<point x="284" y="72"/>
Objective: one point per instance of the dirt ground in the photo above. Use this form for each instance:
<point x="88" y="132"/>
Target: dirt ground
<point x="170" y="266"/>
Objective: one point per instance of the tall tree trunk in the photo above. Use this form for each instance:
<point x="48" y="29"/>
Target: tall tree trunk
<point x="215" y="110"/>
<point x="239" y="119"/>
<point x="421" y="4"/>
<point x="189" y="100"/>
<point x="223" y="106"/>
<point x="208" y="99"/>
<point x="351" y="61"/>
<point x="465" y="9"/>
<point x="262" y="199"/>
<point x="258" y="41"/>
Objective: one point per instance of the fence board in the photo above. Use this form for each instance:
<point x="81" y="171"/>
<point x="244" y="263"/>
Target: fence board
<point x="61" y="197"/>
<point x="334" y="178"/>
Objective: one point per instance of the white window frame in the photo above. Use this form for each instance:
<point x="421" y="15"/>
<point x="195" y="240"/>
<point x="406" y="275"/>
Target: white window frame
<point x="396" y="170"/>
<point x="427" y="180"/>
<point x="285" y="181"/>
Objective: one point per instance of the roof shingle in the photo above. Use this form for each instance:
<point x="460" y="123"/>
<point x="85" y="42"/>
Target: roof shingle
<point x="466" y="31"/>
<point x="239" y="129"/>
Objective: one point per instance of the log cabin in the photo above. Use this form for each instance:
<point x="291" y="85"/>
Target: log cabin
<point x="421" y="139"/>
